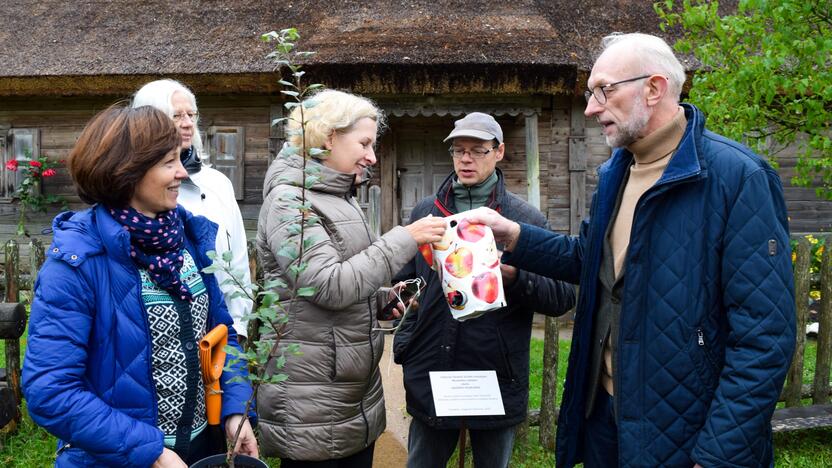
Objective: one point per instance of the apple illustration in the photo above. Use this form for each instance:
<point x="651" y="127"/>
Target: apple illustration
<point x="490" y="256"/>
<point x="470" y="232"/>
<point x="427" y="253"/>
<point x="456" y="299"/>
<point x="484" y="286"/>
<point x="445" y="242"/>
<point x="460" y="262"/>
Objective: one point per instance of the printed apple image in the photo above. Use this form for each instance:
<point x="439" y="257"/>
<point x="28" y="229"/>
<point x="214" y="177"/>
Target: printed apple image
<point x="470" y="232"/>
<point x="460" y="262"/>
<point x="427" y="253"/>
<point x="456" y="299"/>
<point x="445" y="242"/>
<point x="490" y="256"/>
<point x="484" y="286"/>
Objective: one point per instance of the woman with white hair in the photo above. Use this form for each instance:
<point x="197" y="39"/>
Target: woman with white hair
<point x="206" y="191"/>
<point x="330" y="410"/>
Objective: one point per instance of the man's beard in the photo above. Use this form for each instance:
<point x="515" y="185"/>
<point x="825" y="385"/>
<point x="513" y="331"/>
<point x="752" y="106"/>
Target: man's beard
<point x="630" y="131"/>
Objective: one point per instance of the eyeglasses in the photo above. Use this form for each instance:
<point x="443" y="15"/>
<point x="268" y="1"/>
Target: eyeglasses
<point x="181" y="115"/>
<point x="476" y="153"/>
<point x="600" y="92"/>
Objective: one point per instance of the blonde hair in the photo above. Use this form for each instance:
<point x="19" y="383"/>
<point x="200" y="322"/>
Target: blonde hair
<point x="330" y="111"/>
<point x="654" y="56"/>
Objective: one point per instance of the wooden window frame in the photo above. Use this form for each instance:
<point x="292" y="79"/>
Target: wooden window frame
<point x="236" y="171"/>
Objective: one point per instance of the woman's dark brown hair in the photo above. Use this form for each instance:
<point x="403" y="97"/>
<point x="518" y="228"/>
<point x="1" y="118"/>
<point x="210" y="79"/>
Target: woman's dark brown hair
<point x="115" y="150"/>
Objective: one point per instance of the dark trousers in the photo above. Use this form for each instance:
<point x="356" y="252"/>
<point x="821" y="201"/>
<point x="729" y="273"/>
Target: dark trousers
<point x="601" y="434"/>
<point x="431" y="448"/>
<point x="362" y="459"/>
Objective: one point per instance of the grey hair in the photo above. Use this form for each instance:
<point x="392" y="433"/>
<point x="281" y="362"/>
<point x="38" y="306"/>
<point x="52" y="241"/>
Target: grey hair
<point x="653" y="55"/>
<point x="159" y="94"/>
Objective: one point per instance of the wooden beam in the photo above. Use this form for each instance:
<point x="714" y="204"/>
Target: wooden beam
<point x="577" y="166"/>
<point x="532" y="161"/>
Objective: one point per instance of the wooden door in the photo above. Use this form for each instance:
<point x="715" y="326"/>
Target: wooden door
<point x="422" y="163"/>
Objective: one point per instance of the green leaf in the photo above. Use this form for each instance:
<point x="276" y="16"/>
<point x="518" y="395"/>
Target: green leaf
<point x="306" y="292"/>
<point x="227" y="256"/>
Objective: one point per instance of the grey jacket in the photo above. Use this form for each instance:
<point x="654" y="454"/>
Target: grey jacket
<point x="332" y="404"/>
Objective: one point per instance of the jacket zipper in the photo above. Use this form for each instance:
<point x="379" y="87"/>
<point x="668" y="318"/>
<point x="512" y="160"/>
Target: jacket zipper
<point x="370" y="331"/>
<point x="700" y="337"/>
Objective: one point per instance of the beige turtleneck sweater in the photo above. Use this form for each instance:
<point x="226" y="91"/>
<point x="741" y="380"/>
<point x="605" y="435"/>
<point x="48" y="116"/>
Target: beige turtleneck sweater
<point x="651" y="154"/>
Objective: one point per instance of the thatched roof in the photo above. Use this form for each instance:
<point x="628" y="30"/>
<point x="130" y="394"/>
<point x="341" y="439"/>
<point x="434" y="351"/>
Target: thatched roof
<point x="88" y="46"/>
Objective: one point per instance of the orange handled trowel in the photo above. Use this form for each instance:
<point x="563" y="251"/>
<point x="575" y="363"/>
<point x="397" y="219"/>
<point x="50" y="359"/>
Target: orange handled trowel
<point x="212" y="360"/>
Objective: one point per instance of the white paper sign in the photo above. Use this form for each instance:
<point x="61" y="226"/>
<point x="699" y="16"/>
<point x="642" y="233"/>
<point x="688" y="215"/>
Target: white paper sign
<point x="466" y="393"/>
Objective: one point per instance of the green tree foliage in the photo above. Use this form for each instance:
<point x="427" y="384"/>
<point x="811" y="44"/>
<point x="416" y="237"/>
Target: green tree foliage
<point x="765" y="76"/>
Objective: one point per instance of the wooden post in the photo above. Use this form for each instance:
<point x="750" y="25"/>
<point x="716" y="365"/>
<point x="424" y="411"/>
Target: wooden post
<point x="549" y="394"/>
<point x="794" y="380"/>
<point x="533" y="161"/>
<point x="820" y="394"/>
<point x="12" y="251"/>
<point x="36" y="257"/>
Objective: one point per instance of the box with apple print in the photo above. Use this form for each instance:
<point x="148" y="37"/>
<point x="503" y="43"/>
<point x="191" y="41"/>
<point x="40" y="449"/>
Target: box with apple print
<point x="468" y="265"/>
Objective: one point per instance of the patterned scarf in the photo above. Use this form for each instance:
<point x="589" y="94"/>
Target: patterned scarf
<point x="156" y="245"/>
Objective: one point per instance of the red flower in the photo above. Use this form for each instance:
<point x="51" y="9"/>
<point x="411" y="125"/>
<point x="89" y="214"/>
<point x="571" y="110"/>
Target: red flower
<point x="49" y="173"/>
<point x="11" y="165"/>
<point x="35" y="163"/>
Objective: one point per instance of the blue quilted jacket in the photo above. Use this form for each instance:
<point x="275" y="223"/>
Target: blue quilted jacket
<point x="707" y="324"/>
<point x="87" y="374"/>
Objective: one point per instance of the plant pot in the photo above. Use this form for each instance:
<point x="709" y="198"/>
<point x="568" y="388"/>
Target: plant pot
<point x="240" y="461"/>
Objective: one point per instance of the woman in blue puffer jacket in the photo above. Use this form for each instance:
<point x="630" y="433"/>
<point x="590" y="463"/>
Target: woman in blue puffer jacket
<point x="112" y="366"/>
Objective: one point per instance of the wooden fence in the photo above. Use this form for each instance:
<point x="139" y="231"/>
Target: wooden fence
<point x="794" y="416"/>
<point x="819" y="413"/>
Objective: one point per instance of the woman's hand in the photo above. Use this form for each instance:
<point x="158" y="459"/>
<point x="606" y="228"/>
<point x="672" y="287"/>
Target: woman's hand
<point x="247" y="443"/>
<point x="408" y="302"/>
<point x="426" y="230"/>
<point x="169" y="459"/>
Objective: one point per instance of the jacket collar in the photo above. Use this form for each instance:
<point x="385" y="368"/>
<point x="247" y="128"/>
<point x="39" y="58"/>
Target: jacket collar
<point x="445" y="194"/>
<point x="686" y="161"/>
<point x="79" y="235"/>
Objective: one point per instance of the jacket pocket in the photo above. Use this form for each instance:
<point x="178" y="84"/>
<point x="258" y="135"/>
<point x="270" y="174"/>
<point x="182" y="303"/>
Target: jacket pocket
<point x="702" y="360"/>
<point x="506" y="359"/>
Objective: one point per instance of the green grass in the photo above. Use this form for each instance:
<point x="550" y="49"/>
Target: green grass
<point x="32" y="447"/>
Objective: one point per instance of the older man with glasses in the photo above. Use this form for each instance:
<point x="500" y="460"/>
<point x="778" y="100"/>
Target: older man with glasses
<point x="685" y="325"/>
<point x="431" y="340"/>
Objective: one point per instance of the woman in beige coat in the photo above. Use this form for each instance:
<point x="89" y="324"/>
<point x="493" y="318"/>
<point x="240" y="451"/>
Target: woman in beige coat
<point x="331" y="408"/>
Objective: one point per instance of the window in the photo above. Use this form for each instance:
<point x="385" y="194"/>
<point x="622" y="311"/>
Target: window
<point x="226" y="148"/>
<point x="16" y="144"/>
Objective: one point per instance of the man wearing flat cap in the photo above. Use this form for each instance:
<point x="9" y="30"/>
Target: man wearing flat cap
<point x="431" y="340"/>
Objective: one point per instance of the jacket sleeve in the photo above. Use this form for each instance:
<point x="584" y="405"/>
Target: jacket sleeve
<point x="539" y="293"/>
<point x="547" y="253"/>
<point x="758" y="299"/>
<point x="54" y="375"/>
<point x="337" y="283"/>
<point x="238" y="307"/>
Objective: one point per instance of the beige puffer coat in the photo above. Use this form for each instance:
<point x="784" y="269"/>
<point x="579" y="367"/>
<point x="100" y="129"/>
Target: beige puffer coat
<point x="332" y="404"/>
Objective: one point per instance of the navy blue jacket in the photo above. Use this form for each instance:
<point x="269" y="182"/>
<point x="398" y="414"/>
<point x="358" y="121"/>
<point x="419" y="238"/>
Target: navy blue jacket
<point x="87" y="375"/>
<point x="707" y="325"/>
<point x="431" y="340"/>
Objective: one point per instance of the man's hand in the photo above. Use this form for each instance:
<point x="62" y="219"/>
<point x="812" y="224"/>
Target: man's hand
<point x="505" y="231"/>
<point x="509" y="272"/>
<point x="169" y="459"/>
<point x="247" y="443"/>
